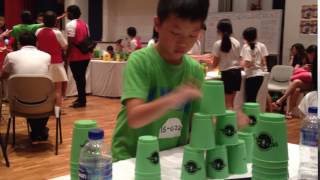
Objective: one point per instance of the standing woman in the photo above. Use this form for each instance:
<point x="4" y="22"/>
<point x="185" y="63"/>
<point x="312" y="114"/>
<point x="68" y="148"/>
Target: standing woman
<point x="51" y="40"/>
<point x="226" y="54"/>
<point x="253" y="55"/>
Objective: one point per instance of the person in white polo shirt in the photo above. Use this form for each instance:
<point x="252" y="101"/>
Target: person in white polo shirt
<point x="29" y="60"/>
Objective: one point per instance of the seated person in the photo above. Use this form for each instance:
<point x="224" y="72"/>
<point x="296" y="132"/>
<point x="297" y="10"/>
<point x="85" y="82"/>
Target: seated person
<point x="29" y="60"/>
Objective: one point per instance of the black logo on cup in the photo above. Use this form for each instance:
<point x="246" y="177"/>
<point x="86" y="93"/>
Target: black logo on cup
<point x="217" y="164"/>
<point x="253" y="120"/>
<point x="154" y="158"/>
<point x="265" y="141"/>
<point x="228" y="130"/>
<point x="191" y="167"/>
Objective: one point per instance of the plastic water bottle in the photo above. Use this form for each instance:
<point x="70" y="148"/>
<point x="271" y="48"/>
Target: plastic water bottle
<point x="308" y="168"/>
<point x="95" y="161"/>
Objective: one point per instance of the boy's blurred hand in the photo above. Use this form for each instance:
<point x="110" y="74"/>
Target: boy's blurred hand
<point x="186" y="92"/>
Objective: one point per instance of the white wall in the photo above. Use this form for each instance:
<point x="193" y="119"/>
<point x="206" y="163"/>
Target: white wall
<point x="292" y="27"/>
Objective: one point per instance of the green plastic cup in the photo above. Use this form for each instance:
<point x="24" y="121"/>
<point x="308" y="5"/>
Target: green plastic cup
<point x="263" y="175"/>
<point x="226" y="129"/>
<point x="147" y="158"/>
<point x="202" y="132"/>
<point x="270" y="171"/>
<point x="212" y="101"/>
<point x="79" y="139"/>
<point x="252" y="110"/>
<point x="193" y="164"/>
<point x="147" y="176"/>
<point x="217" y="163"/>
<point x="271" y="141"/>
<point x="269" y="164"/>
<point x="249" y="141"/>
<point x="237" y="160"/>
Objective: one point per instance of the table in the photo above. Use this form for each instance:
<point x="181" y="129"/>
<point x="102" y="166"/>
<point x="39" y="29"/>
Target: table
<point x="239" y="98"/>
<point x="171" y="161"/>
<point x="104" y="78"/>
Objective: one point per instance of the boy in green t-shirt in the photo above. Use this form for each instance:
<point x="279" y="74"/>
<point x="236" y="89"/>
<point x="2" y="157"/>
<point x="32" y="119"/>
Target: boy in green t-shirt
<point x="158" y="98"/>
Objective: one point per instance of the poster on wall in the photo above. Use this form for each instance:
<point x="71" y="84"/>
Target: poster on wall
<point x="309" y="19"/>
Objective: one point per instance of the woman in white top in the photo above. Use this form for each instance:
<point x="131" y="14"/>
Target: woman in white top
<point x="226" y="54"/>
<point x="154" y="39"/>
<point x="254" y="55"/>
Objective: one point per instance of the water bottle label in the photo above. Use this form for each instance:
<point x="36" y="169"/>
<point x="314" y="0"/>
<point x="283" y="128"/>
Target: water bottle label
<point x="309" y="137"/>
<point x="83" y="173"/>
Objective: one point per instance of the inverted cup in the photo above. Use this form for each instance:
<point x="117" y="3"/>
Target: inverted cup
<point x="271" y="138"/>
<point x="193" y="164"/>
<point x="269" y="164"/>
<point x="147" y="176"/>
<point x="270" y="176"/>
<point x="212" y="101"/>
<point x="237" y="158"/>
<point x="202" y="132"/>
<point x="147" y="156"/>
<point x="226" y="132"/>
<point x="217" y="163"/>
<point x="252" y="110"/>
<point x="270" y="171"/>
<point x="79" y="139"/>
<point x="249" y="141"/>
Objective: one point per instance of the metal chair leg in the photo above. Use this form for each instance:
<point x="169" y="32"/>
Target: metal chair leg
<point x="57" y="135"/>
<point x="14" y="130"/>
<point x="60" y="130"/>
<point x="7" y="134"/>
<point x="4" y="151"/>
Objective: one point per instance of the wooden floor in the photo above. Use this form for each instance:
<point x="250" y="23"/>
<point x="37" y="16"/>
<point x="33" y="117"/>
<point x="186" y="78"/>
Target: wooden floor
<point x="38" y="162"/>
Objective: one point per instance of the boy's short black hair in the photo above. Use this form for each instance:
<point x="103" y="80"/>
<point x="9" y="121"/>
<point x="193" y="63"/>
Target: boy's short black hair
<point x="26" y="17"/>
<point x="110" y="48"/>
<point x="194" y="10"/>
<point x="132" y="31"/>
<point x="49" y="19"/>
<point x="73" y="12"/>
<point x="27" y="38"/>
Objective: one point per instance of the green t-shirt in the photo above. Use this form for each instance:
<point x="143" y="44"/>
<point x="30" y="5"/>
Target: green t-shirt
<point x="18" y="29"/>
<point x="147" y="76"/>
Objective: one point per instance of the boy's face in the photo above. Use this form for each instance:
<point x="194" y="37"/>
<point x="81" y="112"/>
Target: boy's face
<point x="176" y="36"/>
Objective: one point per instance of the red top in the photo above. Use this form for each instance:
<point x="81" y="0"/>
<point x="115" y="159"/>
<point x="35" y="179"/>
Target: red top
<point x="81" y="32"/>
<point x="48" y="42"/>
<point x="3" y="53"/>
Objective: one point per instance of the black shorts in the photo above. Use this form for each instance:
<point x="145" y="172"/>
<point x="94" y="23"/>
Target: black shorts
<point x="232" y="80"/>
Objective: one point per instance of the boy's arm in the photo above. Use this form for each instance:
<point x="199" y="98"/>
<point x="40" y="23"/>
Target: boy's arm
<point x="140" y="113"/>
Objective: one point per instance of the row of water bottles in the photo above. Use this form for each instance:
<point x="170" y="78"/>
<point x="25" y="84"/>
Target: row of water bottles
<point x="95" y="161"/>
<point x="309" y="136"/>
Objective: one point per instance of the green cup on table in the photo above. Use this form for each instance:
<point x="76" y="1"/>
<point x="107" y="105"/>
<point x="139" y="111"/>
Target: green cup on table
<point x="249" y="141"/>
<point x="193" y="164"/>
<point x="252" y="110"/>
<point x="79" y="139"/>
<point x="147" y="157"/>
<point x="202" y="132"/>
<point x="217" y="163"/>
<point x="226" y="129"/>
<point x="237" y="159"/>
<point x="271" y="139"/>
<point x="212" y="101"/>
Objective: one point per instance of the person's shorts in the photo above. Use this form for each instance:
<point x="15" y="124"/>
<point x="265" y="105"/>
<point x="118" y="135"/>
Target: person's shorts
<point x="232" y="80"/>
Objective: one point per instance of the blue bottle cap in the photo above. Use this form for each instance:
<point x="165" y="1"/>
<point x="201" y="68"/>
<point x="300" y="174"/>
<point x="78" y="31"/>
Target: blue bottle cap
<point x="96" y="134"/>
<point x="313" y="110"/>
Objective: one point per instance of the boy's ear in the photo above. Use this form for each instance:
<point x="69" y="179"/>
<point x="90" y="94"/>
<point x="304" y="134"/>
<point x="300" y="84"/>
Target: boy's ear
<point x="156" y="23"/>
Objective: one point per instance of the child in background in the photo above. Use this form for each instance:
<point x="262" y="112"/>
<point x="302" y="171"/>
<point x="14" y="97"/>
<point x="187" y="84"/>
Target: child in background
<point x="297" y="55"/>
<point x="134" y="40"/>
<point x="254" y="55"/>
<point x="110" y="51"/>
<point x="156" y="89"/>
<point x="226" y="54"/>
<point x="154" y="39"/>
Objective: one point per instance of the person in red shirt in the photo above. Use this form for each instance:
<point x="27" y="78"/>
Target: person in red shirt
<point x="77" y="31"/>
<point x="51" y="41"/>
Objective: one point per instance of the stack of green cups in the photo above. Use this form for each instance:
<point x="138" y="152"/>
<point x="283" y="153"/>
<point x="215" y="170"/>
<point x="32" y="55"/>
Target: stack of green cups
<point x="249" y="141"/>
<point x="252" y="110"/>
<point x="237" y="159"/>
<point x="147" y="159"/>
<point x="226" y="132"/>
<point x="212" y="101"/>
<point x="79" y="139"/>
<point x="202" y="133"/>
<point x="193" y="164"/>
<point x="217" y="163"/>
<point x="270" y="150"/>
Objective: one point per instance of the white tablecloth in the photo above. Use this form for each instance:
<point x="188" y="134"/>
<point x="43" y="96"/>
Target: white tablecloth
<point x="239" y="99"/>
<point x="104" y="78"/>
<point x="171" y="162"/>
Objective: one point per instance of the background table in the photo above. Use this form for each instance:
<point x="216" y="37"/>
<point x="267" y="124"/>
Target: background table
<point x="104" y="78"/>
<point x="171" y="162"/>
<point x="240" y="95"/>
